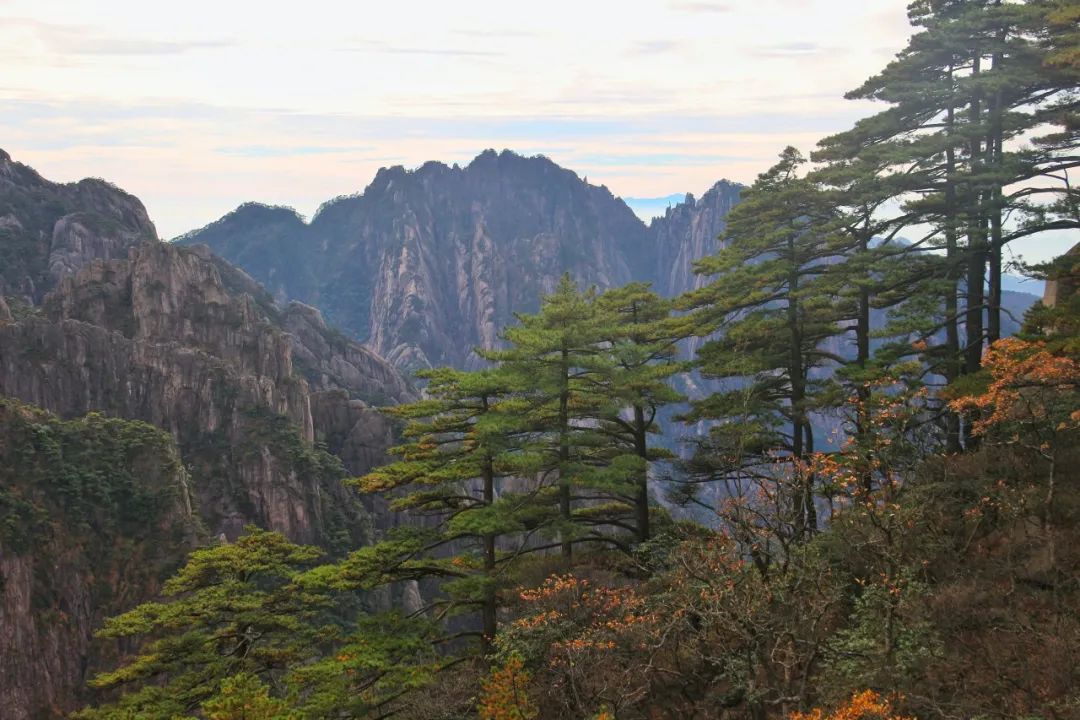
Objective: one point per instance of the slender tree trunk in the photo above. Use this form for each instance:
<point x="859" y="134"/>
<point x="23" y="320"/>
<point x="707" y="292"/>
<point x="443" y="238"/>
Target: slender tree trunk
<point x="862" y="354"/>
<point x="809" y="510"/>
<point x="952" y="262"/>
<point x="564" y="454"/>
<point x="862" y="322"/>
<point x="994" y="151"/>
<point x="490" y="609"/>
<point x="798" y="388"/>
<point x="976" y="252"/>
<point x="641" y="504"/>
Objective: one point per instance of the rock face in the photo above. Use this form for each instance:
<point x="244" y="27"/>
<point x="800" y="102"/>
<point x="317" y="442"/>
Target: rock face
<point x="1059" y="290"/>
<point x="93" y="513"/>
<point x="262" y="412"/>
<point x="48" y="230"/>
<point x="157" y="337"/>
<point x="689" y="232"/>
<point x="424" y="266"/>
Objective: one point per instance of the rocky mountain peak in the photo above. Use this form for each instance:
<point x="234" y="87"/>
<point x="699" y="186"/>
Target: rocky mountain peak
<point x="426" y="264"/>
<point x="49" y="230"/>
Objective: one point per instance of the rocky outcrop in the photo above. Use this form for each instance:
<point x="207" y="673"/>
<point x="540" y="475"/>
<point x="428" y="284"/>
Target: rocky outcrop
<point x="1063" y="285"/>
<point x="157" y="337"/>
<point x="49" y="230"/>
<point x="688" y="232"/>
<point x="329" y="360"/>
<point x="94" y="513"/>
<point x="426" y="265"/>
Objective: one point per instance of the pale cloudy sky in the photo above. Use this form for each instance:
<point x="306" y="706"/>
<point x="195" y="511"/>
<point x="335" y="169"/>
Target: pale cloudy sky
<point x="200" y="105"/>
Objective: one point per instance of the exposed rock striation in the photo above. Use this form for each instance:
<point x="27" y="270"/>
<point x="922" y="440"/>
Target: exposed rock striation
<point x="48" y="230"/>
<point x="157" y="337"/>
<point x="423" y="266"/>
<point x="688" y="232"/>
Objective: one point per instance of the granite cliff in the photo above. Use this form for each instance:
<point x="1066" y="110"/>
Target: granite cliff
<point x="259" y="411"/>
<point x="48" y="230"/>
<point x="425" y="265"/>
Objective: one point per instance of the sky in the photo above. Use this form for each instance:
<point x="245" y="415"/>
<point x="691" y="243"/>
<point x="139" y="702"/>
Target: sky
<point x="196" y="107"/>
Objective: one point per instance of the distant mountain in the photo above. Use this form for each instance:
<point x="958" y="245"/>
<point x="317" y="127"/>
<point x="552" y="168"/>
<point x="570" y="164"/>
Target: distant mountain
<point x="48" y="230"/>
<point x="649" y="208"/>
<point x="425" y="265"/>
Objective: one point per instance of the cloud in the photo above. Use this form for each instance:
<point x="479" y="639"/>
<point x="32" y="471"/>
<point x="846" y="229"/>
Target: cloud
<point x="700" y="7"/>
<point x="88" y="40"/>
<point x="689" y="6"/>
<point x="378" y="46"/>
<point x="90" y="114"/>
<point x="789" y="50"/>
<point x="654" y="47"/>
<point x="268" y="151"/>
<point x="657" y="159"/>
<point x="495" y="34"/>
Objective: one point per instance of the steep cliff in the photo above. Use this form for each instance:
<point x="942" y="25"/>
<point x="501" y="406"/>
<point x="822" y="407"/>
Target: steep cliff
<point x="48" y="230"/>
<point x="94" y="513"/>
<point x="689" y="232"/>
<point x="157" y="337"/>
<point x="262" y="412"/>
<point x="425" y="265"/>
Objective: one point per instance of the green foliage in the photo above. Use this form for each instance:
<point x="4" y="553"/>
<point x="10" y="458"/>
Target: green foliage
<point x="887" y="641"/>
<point x="244" y="625"/>
<point x="229" y="610"/>
<point x="245" y="697"/>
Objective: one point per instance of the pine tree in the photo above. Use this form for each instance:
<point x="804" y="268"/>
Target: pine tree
<point x="977" y="76"/>
<point x="461" y="453"/>
<point x="554" y="360"/>
<point x="242" y="618"/>
<point x="640" y="338"/>
<point x="774" y="303"/>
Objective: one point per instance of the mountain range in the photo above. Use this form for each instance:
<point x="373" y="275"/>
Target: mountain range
<point x="425" y="265"/>
<point x="156" y="396"/>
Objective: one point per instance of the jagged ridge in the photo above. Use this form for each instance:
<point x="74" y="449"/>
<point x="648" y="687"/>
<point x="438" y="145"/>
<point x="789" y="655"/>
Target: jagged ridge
<point x="425" y="265"/>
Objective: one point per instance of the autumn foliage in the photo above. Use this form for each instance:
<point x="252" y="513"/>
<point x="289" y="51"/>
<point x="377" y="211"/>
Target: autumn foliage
<point x="505" y="695"/>
<point x="866" y="705"/>
<point x="1029" y="388"/>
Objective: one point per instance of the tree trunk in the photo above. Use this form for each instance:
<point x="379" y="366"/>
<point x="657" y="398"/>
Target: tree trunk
<point x="564" y="455"/>
<point x="863" y="427"/>
<point x="952" y="262"/>
<point x="994" y="151"/>
<point x="976" y="251"/>
<point x="797" y="377"/>
<point x="641" y="504"/>
<point x="490" y="609"/>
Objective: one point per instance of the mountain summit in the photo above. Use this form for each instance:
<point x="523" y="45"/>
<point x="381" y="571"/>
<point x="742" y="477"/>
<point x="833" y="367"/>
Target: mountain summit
<point x="425" y="265"/>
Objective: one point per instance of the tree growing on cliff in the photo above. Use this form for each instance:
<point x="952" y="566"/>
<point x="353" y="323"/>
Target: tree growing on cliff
<point x="254" y="622"/>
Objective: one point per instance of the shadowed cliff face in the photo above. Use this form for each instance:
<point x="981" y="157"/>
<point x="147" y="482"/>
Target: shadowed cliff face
<point x="426" y="265"/>
<point x="257" y="411"/>
<point x="688" y="232"/>
<point x="94" y="513"/>
<point x="157" y="337"/>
